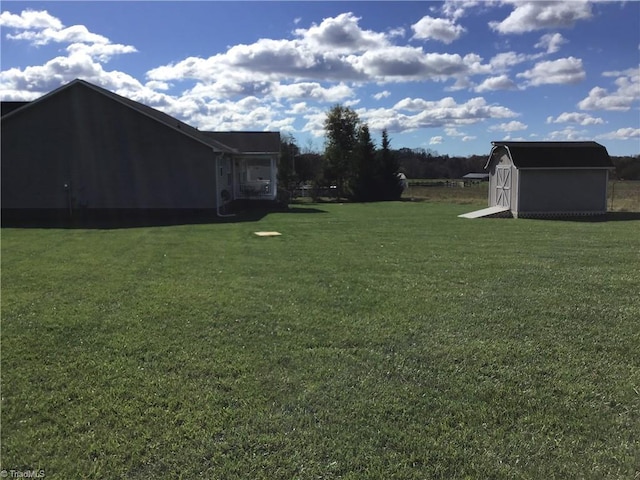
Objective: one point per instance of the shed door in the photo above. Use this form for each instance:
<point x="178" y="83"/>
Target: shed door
<point x="503" y="186"/>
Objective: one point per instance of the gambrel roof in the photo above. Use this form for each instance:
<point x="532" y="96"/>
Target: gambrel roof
<point x="551" y="155"/>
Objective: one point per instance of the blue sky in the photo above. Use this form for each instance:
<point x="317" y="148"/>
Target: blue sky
<point x="447" y="76"/>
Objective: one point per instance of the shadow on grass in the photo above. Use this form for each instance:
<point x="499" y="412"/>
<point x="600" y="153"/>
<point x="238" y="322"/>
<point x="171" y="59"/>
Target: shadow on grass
<point x="122" y="219"/>
<point x="608" y="217"/>
<point x="302" y="210"/>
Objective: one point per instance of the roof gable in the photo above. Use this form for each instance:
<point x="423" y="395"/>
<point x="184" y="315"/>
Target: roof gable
<point x="150" y="112"/>
<point x="555" y="154"/>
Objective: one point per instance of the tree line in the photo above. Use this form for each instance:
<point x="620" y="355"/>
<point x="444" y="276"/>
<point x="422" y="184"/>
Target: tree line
<point x="350" y="163"/>
<point x="360" y="171"/>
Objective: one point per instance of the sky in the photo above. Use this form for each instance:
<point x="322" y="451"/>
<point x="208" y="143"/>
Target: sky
<point x="447" y="76"/>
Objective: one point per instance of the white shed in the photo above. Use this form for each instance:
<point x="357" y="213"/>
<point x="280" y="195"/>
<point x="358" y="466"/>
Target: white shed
<point x="549" y="178"/>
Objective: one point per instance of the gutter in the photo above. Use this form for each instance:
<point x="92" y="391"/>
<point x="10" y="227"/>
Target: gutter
<point x="221" y="215"/>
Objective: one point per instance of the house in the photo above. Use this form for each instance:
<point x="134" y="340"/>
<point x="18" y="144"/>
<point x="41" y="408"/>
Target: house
<point x="81" y="148"/>
<point x="548" y="178"/>
<point x="473" y="178"/>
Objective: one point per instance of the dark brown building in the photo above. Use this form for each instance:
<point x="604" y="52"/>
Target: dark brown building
<point x="84" y="148"/>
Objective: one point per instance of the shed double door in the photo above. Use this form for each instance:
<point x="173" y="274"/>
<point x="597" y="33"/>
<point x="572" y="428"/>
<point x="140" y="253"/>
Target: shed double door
<point x="503" y="186"/>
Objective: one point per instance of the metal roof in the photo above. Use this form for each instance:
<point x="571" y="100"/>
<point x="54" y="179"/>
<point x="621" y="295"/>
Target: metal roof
<point x="476" y="176"/>
<point x="555" y="154"/>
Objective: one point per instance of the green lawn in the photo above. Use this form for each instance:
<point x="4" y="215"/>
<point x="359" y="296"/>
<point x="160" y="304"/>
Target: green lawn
<point x="371" y="341"/>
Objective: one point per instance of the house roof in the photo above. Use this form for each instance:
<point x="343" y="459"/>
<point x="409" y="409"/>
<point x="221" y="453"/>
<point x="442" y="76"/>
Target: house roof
<point x="555" y="154"/>
<point x="476" y="176"/>
<point x="249" y="142"/>
<point x="150" y="112"/>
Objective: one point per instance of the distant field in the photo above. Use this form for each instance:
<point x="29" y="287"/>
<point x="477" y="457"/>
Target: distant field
<point x="370" y="341"/>
<point x="623" y="196"/>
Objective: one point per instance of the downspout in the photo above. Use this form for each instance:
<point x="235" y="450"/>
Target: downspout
<point x="218" y="199"/>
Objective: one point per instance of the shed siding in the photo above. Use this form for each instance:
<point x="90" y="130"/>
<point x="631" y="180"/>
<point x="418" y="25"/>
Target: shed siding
<point x="562" y="191"/>
<point x="110" y="155"/>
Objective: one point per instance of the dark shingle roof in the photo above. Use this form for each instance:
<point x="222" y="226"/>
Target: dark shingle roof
<point x="157" y="115"/>
<point x="249" y="142"/>
<point x="161" y="117"/>
<point x="230" y="142"/>
<point x="557" y="154"/>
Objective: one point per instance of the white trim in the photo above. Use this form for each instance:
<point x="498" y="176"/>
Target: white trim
<point x="565" y="168"/>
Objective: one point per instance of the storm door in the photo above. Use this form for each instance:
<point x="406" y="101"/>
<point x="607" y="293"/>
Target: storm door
<point x="503" y="186"/>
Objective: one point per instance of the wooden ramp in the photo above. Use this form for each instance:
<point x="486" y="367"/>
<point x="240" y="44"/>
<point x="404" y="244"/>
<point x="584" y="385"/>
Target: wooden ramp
<point x="485" y="212"/>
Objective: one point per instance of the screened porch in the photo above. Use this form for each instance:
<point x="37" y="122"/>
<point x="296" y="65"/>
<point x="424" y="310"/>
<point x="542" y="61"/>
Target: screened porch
<point x="256" y="178"/>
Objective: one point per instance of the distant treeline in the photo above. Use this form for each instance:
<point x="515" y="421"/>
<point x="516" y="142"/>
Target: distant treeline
<point x="627" y="168"/>
<point x="420" y="163"/>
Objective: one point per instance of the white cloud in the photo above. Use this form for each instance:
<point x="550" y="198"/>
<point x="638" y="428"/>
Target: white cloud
<point x="312" y="91"/>
<point x="415" y="113"/>
<point x="396" y="32"/>
<point x="441" y="29"/>
<point x="621" y="134"/>
<point x="622" y="99"/>
<point x="409" y="63"/>
<point x="457" y="8"/>
<point x="298" y="108"/>
<point x="437" y="140"/>
<point x="101" y="51"/>
<point x="506" y="60"/>
<point x="513" y="126"/>
<point x="453" y="132"/>
<point x="154" y="85"/>
<point x="528" y="16"/>
<point x="30" y="20"/>
<point x="551" y="42"/>
<point x="577" y="118"/>
<point x="60" y="70"/>
<point x="341" y="34"/>
<point x="73" y="34"/>
<point x="39" y="28"/>
<point x="381" y="95"/>
<point x="336" y="50"/>
<point x="501" y="82"/>
<point x="468" y="138"/>
<point x="315" y="122"/>
<point x="86" y="51"/>
<point x="568" y="134"/>
<point x="568" y="71"/>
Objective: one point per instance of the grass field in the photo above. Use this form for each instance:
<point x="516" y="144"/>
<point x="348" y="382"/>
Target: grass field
<point x="371" y="341"/>
<point x="623" y="196"/>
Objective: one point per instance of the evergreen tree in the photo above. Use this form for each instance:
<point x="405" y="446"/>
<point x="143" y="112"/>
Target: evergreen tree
<point x="289" y="150"/>
<point x="366" y="172"/>
<point x="390" y="183"/>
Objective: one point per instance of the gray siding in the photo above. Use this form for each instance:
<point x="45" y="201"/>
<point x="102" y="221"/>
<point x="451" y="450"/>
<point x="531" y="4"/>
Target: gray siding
<point x="557" y="191"/>
<point x="110" y="155"/>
